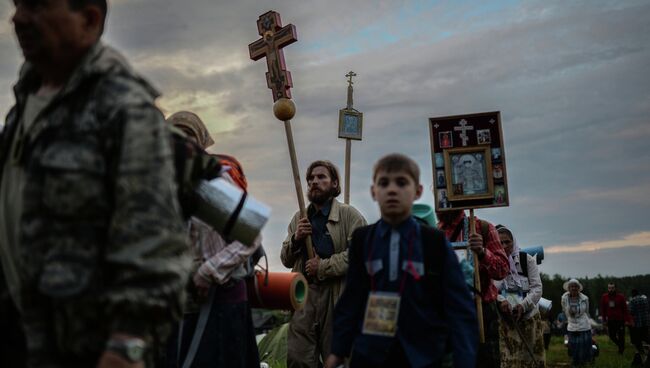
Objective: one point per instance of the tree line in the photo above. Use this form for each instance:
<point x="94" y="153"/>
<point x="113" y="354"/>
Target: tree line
<point x="594" y="288"/>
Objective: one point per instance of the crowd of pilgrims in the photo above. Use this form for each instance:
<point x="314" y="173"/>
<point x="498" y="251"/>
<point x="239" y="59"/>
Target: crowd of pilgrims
<point x="104" y="263"/>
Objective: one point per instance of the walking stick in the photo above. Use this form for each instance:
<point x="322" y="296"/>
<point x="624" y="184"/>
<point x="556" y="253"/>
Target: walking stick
<point x="477" y="282"/>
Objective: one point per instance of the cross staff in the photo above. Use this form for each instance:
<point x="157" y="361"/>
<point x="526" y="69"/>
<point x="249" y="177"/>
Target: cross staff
<point x="348" y="142"/>
<point x="278" y="79"/>
<point x="274" y="38"/>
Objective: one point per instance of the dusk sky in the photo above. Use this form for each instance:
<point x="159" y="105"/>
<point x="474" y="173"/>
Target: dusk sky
<point x="571" y="79"/>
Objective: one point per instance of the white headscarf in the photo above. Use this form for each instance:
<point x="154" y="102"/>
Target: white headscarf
<point x="514" y="278"/>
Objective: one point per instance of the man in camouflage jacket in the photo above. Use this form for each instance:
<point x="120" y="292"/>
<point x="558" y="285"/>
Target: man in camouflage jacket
<point x="91" y="238"/>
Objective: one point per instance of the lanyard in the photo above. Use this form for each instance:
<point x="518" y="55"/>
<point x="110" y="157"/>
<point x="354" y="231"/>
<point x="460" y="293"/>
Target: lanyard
<point x="410" y="266"/>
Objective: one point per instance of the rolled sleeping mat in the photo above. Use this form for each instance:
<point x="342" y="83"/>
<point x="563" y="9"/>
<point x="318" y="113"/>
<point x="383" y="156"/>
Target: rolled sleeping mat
<point x="537" y="252"/>
<point x="544" y="305"/>
<point x="284" y="290"/>
<point x="233" y="213"/>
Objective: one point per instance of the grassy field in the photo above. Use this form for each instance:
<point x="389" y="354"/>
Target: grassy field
<point x="557" y="355"/>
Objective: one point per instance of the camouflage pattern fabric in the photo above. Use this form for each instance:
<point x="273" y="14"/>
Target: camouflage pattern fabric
<point x="102" y="240"/>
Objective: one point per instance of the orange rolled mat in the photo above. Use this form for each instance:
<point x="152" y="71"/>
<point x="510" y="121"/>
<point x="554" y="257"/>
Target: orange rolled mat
<point x="285" y="290"/>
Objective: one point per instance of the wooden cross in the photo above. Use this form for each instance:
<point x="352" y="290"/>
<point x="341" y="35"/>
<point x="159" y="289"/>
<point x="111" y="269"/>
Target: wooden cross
<point x="463" y="128"/>
<point x="350" y="102"/>
<point x="274" y="38"/>
<point x="350" y="75"/>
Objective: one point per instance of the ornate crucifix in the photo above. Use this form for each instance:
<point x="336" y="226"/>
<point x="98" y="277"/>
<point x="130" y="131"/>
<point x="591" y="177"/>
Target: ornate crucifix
<point x="274" y="38"/>
<point x="463" y="128"/>
<point x="278" y="79"/>
<point x="350" y="83"/>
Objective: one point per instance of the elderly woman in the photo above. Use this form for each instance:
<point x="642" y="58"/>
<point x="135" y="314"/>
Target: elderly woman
<point x="522" y="333"/>
<point x="576" y="307"/>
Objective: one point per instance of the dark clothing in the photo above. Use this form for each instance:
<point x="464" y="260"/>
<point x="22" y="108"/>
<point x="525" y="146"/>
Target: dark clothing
<point x="547" y="340"/>
<point x="489" y="354"/>
<point x="640" y="311"/>
<point x="13" y="349"/>
<point x="616" y="331"/>
<point x="639" y="335"/>
<point x="228" y="339"/>
<point x="395" y="357"/>
<point x="320" y="236"/>
<point x="436" y="306"/>
<point x="613" y="308"/>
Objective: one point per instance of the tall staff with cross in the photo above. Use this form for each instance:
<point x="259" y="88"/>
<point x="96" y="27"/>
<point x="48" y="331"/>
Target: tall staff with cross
<point x="278" y="79"/>
<point x="350" y="127"/>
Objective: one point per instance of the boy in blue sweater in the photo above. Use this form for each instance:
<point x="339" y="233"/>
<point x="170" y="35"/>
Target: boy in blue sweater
<point x="405" y="303"/>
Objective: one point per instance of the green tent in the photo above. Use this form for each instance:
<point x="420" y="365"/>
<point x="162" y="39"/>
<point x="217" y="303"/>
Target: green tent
<point x="273" y="347"/>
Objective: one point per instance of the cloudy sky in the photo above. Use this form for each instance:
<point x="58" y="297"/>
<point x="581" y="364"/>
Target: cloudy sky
<point x="571" y="79"/>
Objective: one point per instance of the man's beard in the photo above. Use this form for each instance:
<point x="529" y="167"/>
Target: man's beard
<point x="320" y="197"/>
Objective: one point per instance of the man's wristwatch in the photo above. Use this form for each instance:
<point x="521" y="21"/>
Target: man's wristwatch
<point x="131" y="349"/>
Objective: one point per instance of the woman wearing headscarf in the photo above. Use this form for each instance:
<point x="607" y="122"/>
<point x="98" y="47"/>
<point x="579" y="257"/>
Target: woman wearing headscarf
<point x="522" y="331"/>
<point x="576" y="307"/>
<point x="217" y="328"/>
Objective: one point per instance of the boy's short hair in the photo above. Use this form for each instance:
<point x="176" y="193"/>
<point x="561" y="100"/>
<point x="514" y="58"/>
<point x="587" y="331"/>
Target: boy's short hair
<point x="397" y="162"/>
<point x="331" y="169"/>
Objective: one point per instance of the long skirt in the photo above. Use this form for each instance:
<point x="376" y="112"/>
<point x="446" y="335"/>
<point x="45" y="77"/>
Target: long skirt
<point x="228" y="339"/>
<point x="514" y="352"/>
<point x="580" y="347"/>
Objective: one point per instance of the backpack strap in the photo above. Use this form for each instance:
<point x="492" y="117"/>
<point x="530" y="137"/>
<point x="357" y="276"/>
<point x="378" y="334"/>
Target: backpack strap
<point x="433" y="251"/>
<point x="523" y="262"/>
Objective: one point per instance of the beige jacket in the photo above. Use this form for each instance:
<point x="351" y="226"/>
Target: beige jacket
<point x="342" y="221"/>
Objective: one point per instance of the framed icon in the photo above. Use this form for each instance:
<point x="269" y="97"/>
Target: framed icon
<point x="468" y="161"/>
<point x="469" y="173"/>
<point x="350" y="124"/>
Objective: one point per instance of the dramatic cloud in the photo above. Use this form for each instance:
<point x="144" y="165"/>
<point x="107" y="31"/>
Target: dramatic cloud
<point x="641" y="239"/>
<point x="570" y="79"/>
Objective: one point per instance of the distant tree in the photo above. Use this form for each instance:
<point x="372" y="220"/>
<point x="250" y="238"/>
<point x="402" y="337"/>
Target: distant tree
<point x="594" y="288"/>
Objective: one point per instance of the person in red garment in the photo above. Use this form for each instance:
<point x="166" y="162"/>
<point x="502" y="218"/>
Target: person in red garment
<point x="493" y="265"/>
<point x="613" y="308"/>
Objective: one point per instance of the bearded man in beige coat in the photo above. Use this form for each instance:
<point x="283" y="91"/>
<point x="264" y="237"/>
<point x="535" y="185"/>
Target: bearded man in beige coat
<point x="330" y="225"/>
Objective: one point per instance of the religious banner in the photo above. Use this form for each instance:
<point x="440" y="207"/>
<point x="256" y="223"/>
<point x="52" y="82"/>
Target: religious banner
<point x="350" y="124"/>
<point x="468" y="159"/>
<point x="350" y="127"/>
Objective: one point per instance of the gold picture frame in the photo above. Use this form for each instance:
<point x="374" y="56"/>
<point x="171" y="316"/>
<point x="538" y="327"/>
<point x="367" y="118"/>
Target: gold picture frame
<point x="468" y="172"/>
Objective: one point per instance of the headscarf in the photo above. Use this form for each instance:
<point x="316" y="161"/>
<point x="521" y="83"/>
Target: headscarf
<point x="514" y="276"/>
<point x="191" y="124"/>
